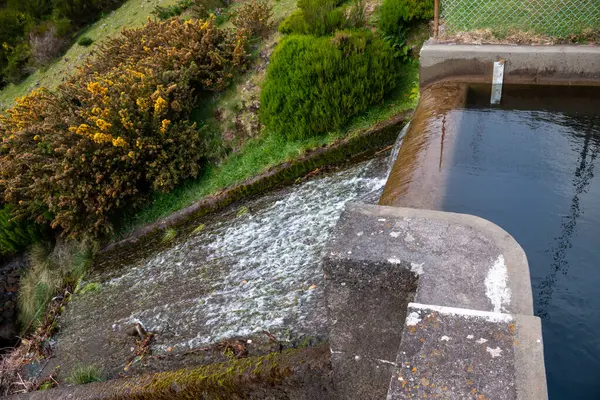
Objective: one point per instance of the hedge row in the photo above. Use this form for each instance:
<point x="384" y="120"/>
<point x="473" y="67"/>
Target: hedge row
<point x="315" y="85"/>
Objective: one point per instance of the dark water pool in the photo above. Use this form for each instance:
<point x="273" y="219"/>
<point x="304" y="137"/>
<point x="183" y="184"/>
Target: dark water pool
<point x="532" y="166"/>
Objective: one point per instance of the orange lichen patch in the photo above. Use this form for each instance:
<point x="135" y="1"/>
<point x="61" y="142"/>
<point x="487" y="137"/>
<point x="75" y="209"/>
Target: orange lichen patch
<point x="511" y="327"/>
<point x="435" y="353"/>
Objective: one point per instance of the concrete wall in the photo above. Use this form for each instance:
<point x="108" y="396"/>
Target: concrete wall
<point x="430" y="304"/>
<point x="553" y="65"/>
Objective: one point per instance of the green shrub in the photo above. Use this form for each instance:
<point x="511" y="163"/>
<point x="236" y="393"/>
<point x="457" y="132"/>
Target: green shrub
<point x="85" y="41"/>
<point x="118" y="130"/>
<point x="35" y="8"/>
<point x="16" y="235"/>
<point x="315" y="85"/>
<point x="294" y="23"/>
<point x="13" y="25"/>
<point x="164" y="13"/>
<point x="397" y="15"/>
<point x="83" y="374"/>
<point x="16" y="67"/>
<point x="203" y="8"/>
<point x="254" y="16"/>
<point x="315" y="17"/>
<point x="82" y="12"/>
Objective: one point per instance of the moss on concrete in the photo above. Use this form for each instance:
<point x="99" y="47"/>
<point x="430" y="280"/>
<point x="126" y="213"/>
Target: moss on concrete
<point x="296" y="373"/>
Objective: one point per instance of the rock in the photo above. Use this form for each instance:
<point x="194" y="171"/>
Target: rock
<point x="8" y="331"/>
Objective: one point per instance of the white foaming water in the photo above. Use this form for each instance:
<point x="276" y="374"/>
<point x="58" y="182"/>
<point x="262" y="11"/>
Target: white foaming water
<point x="256" y="272"/>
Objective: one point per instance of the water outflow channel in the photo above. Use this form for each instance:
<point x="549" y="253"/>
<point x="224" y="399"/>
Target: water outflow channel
<point x="530" y="166"/>
<point x="250" y="269"/>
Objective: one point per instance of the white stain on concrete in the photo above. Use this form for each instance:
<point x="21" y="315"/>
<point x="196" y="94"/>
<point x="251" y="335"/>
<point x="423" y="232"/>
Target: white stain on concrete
<point x="395" y="234"/>
<point x="417" y="268"/>
<point x="496" y="285"/>
<point x="482" y="341"/>
<point x="470" y="336"/>
<point x="381" y="220"/>
<point x="394" y="260"/>
<point x="488" y="316"/>
<point x="413" y="319"/>
<point x="445" y="338"/>
<point x="497" y="352"/>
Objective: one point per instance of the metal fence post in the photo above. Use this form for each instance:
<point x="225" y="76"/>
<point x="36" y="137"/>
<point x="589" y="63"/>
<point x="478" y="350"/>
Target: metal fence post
<point x="436" y="18"/>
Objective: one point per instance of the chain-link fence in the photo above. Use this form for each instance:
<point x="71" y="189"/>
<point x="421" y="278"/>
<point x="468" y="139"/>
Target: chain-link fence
<point x="547" y="17"/>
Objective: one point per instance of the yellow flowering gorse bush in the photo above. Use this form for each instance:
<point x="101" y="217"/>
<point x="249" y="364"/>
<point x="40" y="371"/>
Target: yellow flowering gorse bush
<point x="117" y="130"/>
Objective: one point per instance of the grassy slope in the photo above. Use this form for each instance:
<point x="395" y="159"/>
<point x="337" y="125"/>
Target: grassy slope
<point x="259" y="154"/>
<point x="131" y="13"/>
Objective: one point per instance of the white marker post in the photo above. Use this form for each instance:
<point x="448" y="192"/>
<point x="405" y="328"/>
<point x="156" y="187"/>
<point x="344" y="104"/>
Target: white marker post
<point x="497" y="79"/>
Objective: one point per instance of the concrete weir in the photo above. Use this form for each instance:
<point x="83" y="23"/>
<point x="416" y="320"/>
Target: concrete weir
<point x="427" y="304"/>
<point x="549" y="65"/>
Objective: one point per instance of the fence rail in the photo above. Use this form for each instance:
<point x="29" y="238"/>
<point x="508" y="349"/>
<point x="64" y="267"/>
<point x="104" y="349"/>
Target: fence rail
<point x="560" y="18"/>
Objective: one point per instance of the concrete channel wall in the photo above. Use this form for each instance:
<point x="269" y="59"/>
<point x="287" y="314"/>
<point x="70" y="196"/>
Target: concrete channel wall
<point x="550" y="65"/>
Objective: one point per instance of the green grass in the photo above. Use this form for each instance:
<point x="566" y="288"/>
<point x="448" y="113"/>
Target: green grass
<point x="257" y="155"/>
<point x="88" y="288"/>
<point x="50" y="269"/>
<point x="83" y="374"/>
<point x="130" y="14"/>
<point x="169" y="235"/>
<point x="543" y="17"/>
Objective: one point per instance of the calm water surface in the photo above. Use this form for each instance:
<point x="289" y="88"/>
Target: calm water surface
<point x="532" y="167"/>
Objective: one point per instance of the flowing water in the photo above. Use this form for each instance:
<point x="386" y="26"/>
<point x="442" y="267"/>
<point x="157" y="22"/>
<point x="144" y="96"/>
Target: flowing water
<point x="396" y="148"/>
<point x="529" y="166"/>
<point x="250" y="269"/>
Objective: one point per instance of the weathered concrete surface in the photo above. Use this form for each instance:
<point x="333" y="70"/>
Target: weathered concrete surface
<point x="461" y="260"/>
<point x="567" y="65"/>
<point x="457" y="353"/>
<point x="375" y="258"/>
<point x="361" y="296"/>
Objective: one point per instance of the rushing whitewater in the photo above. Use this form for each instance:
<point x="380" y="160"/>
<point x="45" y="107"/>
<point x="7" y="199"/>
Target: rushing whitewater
<point x="244" y="273"/>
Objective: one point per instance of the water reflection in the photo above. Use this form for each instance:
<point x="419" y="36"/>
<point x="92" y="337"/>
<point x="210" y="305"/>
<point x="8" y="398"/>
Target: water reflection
<point x="528" y="166"/>
<point x="584" y="173"/>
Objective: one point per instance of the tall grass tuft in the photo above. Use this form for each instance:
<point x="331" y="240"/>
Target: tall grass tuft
<point x="51" y="268"/>
<point x="83" y="374"/>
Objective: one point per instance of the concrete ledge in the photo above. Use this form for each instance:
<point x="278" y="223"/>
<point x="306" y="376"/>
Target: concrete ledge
<point x="553" y="65"/>
<point x="458" y="258"/>
<point x="473" y="277"/>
